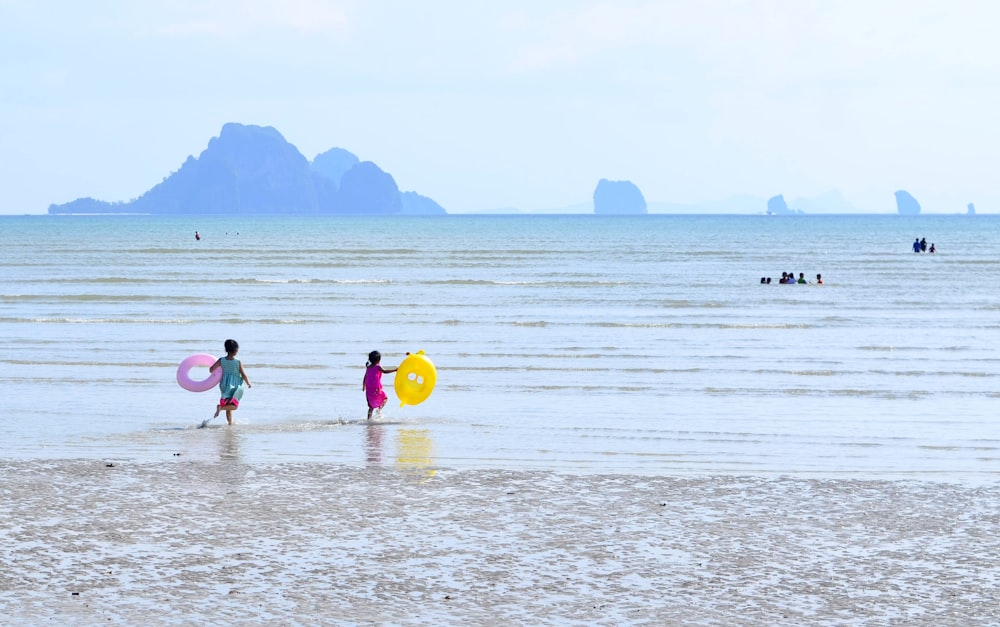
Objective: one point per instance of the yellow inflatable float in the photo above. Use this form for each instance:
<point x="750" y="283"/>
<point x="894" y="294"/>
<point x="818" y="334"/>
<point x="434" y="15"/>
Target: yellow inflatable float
<point x="415" y="379"/>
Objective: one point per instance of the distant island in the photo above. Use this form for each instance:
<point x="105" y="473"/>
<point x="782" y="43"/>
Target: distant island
<point x="618" y="197"/>
<point x="906" y="204"/>
<point x="776" y="205"/>
<point x="253" y="170"/>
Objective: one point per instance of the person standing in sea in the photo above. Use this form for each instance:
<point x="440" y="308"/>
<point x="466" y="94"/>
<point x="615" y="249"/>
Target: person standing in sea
<point x="233" y="378"/>
<point x="372" y="383"/>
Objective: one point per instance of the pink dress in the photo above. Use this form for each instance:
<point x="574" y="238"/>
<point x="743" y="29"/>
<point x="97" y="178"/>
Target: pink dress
<point x="373" y="387"/>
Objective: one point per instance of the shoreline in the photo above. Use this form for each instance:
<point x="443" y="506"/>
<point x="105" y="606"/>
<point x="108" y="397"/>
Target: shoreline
<point x="189" y="541"/>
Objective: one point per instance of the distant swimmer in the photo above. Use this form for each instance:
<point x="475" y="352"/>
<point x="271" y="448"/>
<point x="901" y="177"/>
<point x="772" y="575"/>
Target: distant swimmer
<point x="932" y="248"/>
<point x="916" y="245"/>
<point x="819" y="279"/>
<point x="197" y="235"/>
<point x="802" y="277"/>
<point x="923" y="244"/>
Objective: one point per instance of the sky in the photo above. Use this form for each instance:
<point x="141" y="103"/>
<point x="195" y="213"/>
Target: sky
<point x="521" y="104"/>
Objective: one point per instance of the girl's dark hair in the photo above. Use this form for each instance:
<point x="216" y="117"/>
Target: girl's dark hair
<point x="232" y="346"/>
<point x="374" y="357"/>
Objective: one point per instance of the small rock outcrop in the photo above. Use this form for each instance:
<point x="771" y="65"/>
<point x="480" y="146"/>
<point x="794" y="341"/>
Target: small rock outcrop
<point x="906" y="204"/>
<point x="618" y="198"/>
<point x="777" y="206"/>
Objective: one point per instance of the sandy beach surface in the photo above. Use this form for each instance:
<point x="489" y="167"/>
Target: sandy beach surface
<point x="100" y="542"/>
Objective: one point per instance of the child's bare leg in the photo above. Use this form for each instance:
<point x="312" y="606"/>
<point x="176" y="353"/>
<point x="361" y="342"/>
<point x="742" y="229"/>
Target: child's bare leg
<point x="370" y="410"/>
<point x="229" y="415"/>
<point x="218" y="408"/>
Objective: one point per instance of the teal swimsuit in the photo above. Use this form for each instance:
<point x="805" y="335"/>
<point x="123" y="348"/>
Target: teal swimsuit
<point x="231" y="385"/>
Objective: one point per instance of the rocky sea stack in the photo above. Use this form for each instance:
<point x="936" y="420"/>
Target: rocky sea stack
<point x="618" y="197"/>
<point x="253" y="170"/>
<point x="906" y="204"/>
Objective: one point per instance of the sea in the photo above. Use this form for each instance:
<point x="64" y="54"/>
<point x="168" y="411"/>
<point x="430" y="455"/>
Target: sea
<point x="580" y="344"/>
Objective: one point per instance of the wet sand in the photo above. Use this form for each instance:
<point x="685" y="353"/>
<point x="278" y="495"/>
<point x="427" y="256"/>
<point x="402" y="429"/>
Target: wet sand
<point x="313" y="543"/>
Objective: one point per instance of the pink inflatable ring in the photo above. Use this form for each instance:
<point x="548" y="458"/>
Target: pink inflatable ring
<point x="184" y="373"/>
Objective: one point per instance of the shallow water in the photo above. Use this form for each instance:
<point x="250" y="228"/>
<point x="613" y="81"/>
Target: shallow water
<point x="627" y="428"/>
<point x="580" y="344"/>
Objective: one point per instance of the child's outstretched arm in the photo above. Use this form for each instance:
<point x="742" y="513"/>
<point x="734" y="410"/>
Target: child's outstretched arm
<point x="244" y="375"/>
<point x="215" y="366"/>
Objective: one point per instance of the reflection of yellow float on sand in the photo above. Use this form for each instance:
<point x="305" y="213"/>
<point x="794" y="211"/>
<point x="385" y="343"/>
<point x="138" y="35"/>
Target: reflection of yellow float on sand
<point x="415" y="379"/>
<point x="415" y="448"/>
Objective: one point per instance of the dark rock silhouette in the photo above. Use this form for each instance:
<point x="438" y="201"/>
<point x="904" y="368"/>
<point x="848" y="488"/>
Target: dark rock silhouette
<point x="618" y="197"/>
<point x="906" y="204"/>
<point x="778" y="206"/>
<point x="971" y="209"/>
<point x="253" y="170"/>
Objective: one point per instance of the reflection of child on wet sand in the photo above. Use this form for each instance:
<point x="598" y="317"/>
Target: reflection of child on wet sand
<point x="233" y="377"/>
<point x="372" y="383"/>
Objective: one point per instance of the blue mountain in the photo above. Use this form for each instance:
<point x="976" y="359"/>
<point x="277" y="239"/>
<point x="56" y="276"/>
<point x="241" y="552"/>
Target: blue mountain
<point x="253" y="170"/>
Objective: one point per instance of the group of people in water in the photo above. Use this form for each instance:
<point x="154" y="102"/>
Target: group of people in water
<point x="788" y="278"/>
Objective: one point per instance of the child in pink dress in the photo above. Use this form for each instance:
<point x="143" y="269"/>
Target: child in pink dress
<point x="372" y="383"/>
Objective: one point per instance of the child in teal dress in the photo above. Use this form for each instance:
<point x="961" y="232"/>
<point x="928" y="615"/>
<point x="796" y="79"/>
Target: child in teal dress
<point x="233" y="377"/>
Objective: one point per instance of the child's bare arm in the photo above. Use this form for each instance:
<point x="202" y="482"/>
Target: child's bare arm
<point x="244" y="375"/>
